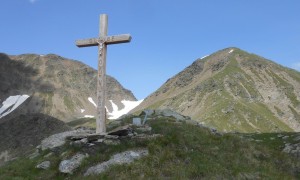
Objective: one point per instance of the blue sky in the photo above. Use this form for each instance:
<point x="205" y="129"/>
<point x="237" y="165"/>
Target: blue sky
<point x="167" y="35"/>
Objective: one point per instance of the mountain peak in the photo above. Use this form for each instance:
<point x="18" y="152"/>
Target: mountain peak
<point x="233" y="90"/>
<point x="57" y="86"/>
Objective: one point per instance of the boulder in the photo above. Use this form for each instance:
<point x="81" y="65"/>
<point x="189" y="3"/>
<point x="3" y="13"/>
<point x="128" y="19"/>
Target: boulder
<point x="117" y="159"/>
<point x="170" y="113"/>
<point x="293" y="149"/>
<point x="70" y="165"/>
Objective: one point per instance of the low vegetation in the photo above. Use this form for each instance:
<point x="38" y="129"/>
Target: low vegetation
<point x="184" y="152"/>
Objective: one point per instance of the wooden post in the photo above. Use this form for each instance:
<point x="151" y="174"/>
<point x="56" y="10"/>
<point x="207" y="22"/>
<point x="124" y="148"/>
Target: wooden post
<point x="102" y="43"/>
<point x="101" y="84"/>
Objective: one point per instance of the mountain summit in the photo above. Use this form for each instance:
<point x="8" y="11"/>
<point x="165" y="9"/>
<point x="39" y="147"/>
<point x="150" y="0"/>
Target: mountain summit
<point x="56" y="86"/>
<point x="233" y="90"/>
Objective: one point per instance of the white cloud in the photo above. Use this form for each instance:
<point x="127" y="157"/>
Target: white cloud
<point x="32" y="1"/>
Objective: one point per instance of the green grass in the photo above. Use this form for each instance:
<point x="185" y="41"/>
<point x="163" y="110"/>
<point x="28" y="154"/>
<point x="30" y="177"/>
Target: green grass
<point x="87" y="122"/>
<point x="184" y="152"/>
<point x="69" y="104"/>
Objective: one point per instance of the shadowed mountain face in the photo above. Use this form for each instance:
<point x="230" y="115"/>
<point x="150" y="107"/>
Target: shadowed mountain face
<point x="21" y="134"/>
<point x="233" y="90"/>
<point x="57" y="86"/>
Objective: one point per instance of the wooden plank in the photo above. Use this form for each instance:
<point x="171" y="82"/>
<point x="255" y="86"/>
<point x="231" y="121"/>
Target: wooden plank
<point x="103" y="25"/>
<point x="101" y="79"/>
<point x="123" y="38"/>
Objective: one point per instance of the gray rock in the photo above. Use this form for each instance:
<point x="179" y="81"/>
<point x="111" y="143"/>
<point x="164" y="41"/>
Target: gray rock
<point x="44" y="165"/>
<point x="285" y="137"/>
<point x="170" y="113"/>
<point x="118" y="159"/>
<point x="59" y="139"/>
<point x="293" y="149"/>
<point x="121" y="131"/>
<point x="80" y="143"/>
<point x="297" y="138"/>
<point x="70" y="165"/>
<point x="111" y="137"/>
<point x="94" y="137"/>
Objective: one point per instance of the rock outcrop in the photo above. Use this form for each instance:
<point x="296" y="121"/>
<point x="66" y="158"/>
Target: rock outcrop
<point x="117" y="159"/>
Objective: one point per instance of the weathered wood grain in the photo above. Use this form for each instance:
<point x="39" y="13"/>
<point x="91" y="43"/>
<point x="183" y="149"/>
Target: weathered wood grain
<point x="124" y="38"/>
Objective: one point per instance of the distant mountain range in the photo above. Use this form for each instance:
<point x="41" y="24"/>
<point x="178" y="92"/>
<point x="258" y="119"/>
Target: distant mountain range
<point x="62" y="88"/>
<point x="233" y="90"/>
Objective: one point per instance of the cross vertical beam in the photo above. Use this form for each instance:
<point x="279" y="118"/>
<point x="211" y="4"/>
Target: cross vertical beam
<point x="101" y="78"/>
<point x="102" y="41"/>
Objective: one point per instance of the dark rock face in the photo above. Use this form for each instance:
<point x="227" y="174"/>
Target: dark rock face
<point x="22" y="134"/>
<point x="184" y="78"/>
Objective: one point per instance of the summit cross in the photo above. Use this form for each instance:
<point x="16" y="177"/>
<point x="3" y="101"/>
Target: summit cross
<point x="102" y="41"/>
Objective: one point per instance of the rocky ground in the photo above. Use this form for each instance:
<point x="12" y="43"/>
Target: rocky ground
<point x="159" y="144"/>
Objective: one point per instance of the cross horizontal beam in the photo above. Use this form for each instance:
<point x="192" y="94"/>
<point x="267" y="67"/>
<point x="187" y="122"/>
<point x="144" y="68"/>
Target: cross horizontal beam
<point x="124" y="38"/>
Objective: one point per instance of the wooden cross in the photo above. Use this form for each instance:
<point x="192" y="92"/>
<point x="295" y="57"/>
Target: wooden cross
<point x="101" y="42"/>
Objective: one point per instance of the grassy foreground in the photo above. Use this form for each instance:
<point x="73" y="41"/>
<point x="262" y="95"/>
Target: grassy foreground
<point x="184" y="152"/>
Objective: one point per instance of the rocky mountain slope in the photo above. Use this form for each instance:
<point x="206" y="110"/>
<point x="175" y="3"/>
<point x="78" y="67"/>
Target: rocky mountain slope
<point x="23" y="133"/>
<point x="233" y="90"/>
<point x="59" y="87"/>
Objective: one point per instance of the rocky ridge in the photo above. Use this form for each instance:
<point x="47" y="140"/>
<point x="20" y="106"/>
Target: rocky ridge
<point x="233" y="90"/>
<point x="57" y="86"/>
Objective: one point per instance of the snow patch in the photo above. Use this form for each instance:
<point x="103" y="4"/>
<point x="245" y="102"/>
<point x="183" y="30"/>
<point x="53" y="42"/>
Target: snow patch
<point x="231" y="51"/>
<point x="204" y="57"/>
<point x="89" y="116"/>
<point x="129" y="105"/>
<point x="92" y="101"/>
<point x="12" y="103"/>
<point x="82" y="110"/>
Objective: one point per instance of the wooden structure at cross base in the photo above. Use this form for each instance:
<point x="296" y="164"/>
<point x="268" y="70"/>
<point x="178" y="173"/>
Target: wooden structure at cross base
<point x="102" y="41"/>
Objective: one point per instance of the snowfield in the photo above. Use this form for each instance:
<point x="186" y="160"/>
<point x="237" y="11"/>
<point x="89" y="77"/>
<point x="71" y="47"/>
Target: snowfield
<point x="204" y="56"/>
<point x="129" y="105"/>
<point x="116" y="113"/>
<point x="12" y="103"/>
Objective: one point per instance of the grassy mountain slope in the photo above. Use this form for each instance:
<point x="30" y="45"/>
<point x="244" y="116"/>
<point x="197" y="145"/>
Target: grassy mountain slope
<point x="233" y="90"/>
